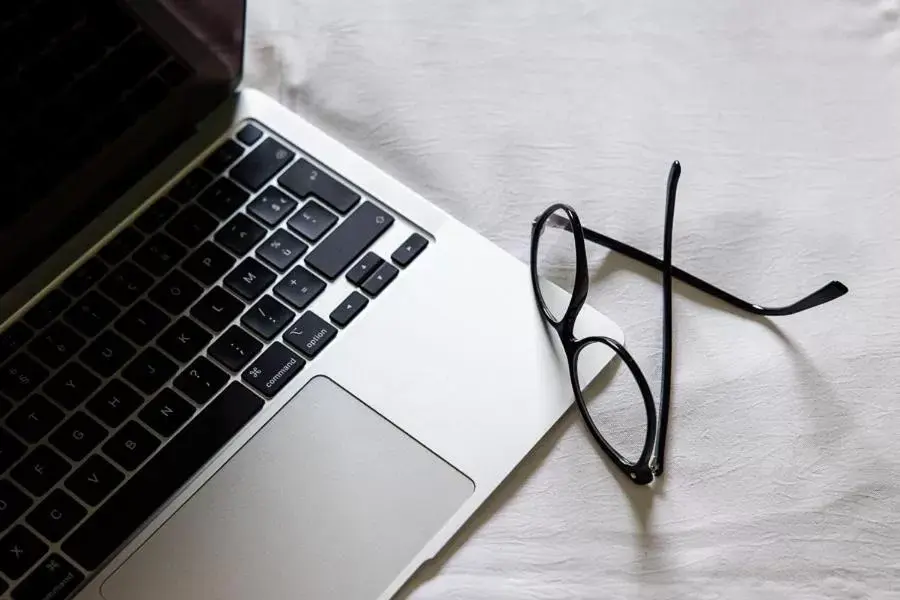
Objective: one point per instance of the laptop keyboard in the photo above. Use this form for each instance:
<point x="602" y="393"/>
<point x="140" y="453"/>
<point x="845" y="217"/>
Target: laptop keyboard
<point x="117" y="387"/>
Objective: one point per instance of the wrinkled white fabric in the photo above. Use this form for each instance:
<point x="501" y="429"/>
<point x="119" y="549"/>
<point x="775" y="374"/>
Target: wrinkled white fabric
<point x="783" y="449"/>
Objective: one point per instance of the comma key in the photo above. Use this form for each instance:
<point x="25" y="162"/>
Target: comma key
<point x="269" y="373"/>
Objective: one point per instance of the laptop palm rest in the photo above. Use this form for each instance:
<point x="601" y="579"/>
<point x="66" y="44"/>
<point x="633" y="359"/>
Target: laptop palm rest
<point x="327" y="488"/>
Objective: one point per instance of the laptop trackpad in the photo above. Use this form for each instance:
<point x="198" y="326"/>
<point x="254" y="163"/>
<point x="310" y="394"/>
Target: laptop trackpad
<point x="328" y="500"/>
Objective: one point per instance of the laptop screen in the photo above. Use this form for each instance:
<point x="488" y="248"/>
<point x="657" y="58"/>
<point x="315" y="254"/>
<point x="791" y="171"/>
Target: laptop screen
<point x="94" y="93"/>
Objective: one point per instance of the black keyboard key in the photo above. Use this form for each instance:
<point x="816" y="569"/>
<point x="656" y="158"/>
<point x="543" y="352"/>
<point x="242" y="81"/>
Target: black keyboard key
<point x="167" y="412"/>
<point x="250" y="279"/>
<point x="303" y="179"/>
<point x="261" y="164"/>
<point x="71" y="386"/>
<point x="13" y="504"/>
<point x="409" y="250"/>
<point x="184" y="340"/>
<point x="156" y="216"/>
<point x="272" y="206"/>
<point x="12" y="339"/>
<point x="235" y="348"/>
<point x="49" y="307"/>
<point x="240" y="234"/>
<point x="78" y="436"/>
<point x="107" y="354"/>
<point x="208" y="263"/>
<point x="121" y="246"/>
<point x="163" y="475"/>
<point x="217" y="309"/>
<point x="223" y="198"/>
<point x="114" y="403"/>
<point x="19" y="550"/>
<point x="20" y="376"/>
<point x="365" y="267"/>
<point x="56" y="344"/>
<point x="281" y="250"/>
<point x="192" y="226"/>
<point x="56" y="515"/>
<point x="34" y="419"/>
<point x="149" y="371"/>
<point x="310" y="334"/>
<point x="142" y="323"/>
<point x="11" y="450"/>
<point x="5" y="406"/>
<point x="268" y="317"/>
<point x="85" y="277"/>
<point x="131" y="446"/>
<point x="299" y="288"/>
<point x="53" y="578"/>
<point x="380" y="279"/>
<point x="249" y="135"/>
<point x="223" y="157"/>
<point x="201" y="381"/>
<point x="94" y="480"/>
<point x="40" y="470"/>
<point x="190" y="185"/>
<point x="313" y="221"/>
<point x="126" y="283"/>
<point x="91" y="314"/>
<point x="176" y="292"/>
<point x="275" y="367"/>
<point x="159" y="254"/>
<point x="349" y="240"/>
<point x="348" y="309"/>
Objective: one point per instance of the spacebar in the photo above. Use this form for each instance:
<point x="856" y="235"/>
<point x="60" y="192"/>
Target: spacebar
<point x="136" y="501"/>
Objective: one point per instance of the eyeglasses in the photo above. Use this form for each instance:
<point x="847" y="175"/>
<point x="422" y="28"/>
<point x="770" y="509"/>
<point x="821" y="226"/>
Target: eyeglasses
<point x="558" y="232"/>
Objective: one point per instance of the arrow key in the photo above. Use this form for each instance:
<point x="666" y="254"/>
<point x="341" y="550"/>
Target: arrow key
<point x="348" y="309"/>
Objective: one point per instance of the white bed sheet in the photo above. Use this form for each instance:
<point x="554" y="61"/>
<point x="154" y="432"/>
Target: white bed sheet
<point x="783" y="466"/>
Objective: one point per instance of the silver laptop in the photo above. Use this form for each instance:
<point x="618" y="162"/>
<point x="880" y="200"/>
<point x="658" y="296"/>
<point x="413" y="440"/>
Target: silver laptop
<point x="236" y="360"/>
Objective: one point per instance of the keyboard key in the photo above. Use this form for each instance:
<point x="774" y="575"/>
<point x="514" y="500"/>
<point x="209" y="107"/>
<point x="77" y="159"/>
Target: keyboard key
<point x="19" y="550"/>
<point x="348" y="309"/>
<point x="223" y="157"/>
<point x="175" y="293"/>
<point x="13" y="504"/>
<point x="275" y="367"/>
<point x="249" y="279"/>
<point x="50" y="307"/>
<point x="12" y="339"/>
<point x="156" y="216"/>
<point x="184" y="340"/>
<point x="217" y="309"/>
<point x="240" y="235"/>
<point x="249" y="135"/>
<point x="126" y="283"/>
<point x="192" y="226"/>
<point x="20" y="376"/>
<point x="107" y="354"/>
<point x="268" y="317"/>
<point x="94" y="480"/>
<point x="409" y="250"/>
<point x="235" y="348"/>
<point x="281" y="250"/>
<point x="121" y="246"/>
<point x="163" y="475"/>
<point x="56" y="344"/>
<point x="56" y="515"/>
<point x="78" y="436"/>
<point x="131" y="446"/>
<point x="380" y="279"/>
<point x="149" y="371"/>
<point x="272" y="206"/>
<point x="114" y="403"/>
<point x="299" y="288"/>
<point x="159" y="254"/>
<point x="365" y="267"/>
<point x="142" y="323"/>
<point x="190" y="186"/>
<point x="5" y="406"/>
<point x="223" y="198"/>
<point x="201" y="381"/>
<point x="85" y="277"/>
<point x="40" y="470"/>
<point x="349" y="240"/>
<point x="261" y="164"/>
<point x="310" y="334"/>
<point x="167" y="412"/>
<point x="34" y="419"/>
<point x="71" y="386"/>
<point x="313" y="221"/>
<point x="303" y="179"/>
<point x="208" y="263"/>
<point x="91" y="314"/>
<point x="53" y="578"/>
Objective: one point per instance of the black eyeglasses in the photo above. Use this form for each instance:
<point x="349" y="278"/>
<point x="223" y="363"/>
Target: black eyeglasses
<point x="558" y="228"/>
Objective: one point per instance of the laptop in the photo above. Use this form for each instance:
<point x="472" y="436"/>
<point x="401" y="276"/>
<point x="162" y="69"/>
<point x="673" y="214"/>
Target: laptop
<point x="236" y="359"/>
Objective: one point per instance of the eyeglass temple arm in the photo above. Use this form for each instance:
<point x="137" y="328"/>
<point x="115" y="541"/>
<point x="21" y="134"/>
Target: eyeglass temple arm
<point x="827" y="293"/>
